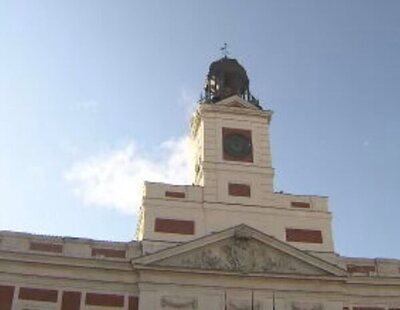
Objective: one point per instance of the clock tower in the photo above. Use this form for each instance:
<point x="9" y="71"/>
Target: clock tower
<point x="233" y="177"/>
<point x="230" y="133"/>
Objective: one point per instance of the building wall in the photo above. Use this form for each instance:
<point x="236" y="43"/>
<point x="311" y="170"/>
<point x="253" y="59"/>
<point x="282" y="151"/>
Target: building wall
<point x="45" y="297"/>
<point x="43" y="277"/>
<point x="162" y="289"/>
<point x="52" y="273"/>
<point x="42" y="272"/>
<point x="209" y="217"/>
<point x="232" y="192"/>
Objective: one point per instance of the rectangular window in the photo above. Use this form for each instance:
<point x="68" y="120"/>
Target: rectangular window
<point x="175" y="194"/>
<point x="36" y="294"/>
<point x="133" y="303"/>
<point x="240" y="190"/>
<point x="6" y="296"/>
<point x="360" y="268"/>
<point x="174" y="226"/>
<point x="108" y="300"/>
<point x="45" y="247"/>
<point x="303" y="235"/>
<point x="299" y="204"/>
<point x="71" y="301"/>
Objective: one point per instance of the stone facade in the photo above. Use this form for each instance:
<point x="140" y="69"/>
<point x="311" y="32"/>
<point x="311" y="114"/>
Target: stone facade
<point x="227" y="242"/>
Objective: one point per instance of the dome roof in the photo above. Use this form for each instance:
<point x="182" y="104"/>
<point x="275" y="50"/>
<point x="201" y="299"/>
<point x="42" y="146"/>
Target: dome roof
<point x="229" y="67"/>
<point x="227" y="77"/>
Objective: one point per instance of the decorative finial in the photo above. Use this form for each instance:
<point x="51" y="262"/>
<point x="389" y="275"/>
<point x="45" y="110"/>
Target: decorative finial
<point x="224" y="50"/>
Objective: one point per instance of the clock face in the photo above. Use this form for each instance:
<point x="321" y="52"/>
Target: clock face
<point x="237" y="145"/>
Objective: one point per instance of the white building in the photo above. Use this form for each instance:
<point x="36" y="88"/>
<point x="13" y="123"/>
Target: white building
<point x="227" y="242"/>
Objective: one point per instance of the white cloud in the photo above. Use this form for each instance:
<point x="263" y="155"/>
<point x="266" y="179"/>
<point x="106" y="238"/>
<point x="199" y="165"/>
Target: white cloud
<point x="115" y="179"/>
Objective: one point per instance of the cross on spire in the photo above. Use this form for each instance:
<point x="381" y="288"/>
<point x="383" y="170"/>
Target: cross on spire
<point x="224" y="50"/>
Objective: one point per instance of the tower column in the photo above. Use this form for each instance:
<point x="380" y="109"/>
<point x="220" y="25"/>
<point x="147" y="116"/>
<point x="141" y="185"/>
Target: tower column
<point x="232" y="152"/>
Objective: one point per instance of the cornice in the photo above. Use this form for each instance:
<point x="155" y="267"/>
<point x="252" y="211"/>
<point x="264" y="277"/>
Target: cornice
<point x="300" y="277"/>
<point x="64" y="261"/>
<point x="223" y="109"/>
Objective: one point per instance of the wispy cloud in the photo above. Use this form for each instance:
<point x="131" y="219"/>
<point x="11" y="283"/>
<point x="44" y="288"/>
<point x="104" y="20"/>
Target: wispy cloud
<point x="188" y="100"/>
<point x="115" y="179"/>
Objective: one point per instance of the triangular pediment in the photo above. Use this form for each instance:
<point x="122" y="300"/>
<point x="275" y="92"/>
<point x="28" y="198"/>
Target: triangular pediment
<point x="236" y="102"/>
<point x="240" y="249"/>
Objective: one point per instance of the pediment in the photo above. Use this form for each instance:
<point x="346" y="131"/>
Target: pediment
<point x="240" y="255"/>
<point x="240" y="249"/>
<point x="236" y="102"/>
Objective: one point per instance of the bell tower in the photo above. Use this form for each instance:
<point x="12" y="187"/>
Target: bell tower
<point x="230" y="134"/>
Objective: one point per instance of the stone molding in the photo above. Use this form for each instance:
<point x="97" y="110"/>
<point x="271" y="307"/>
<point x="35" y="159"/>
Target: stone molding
<point x="178" y="302"/>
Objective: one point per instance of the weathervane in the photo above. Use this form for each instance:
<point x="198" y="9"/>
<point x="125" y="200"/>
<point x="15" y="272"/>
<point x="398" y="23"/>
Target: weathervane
<point x="224" y="50"/>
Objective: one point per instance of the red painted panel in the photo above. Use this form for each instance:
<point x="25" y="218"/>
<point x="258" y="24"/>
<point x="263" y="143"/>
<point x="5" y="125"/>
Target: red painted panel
<point x="360" y="268"/>
<point x="299" y="204"/>
<point x="45" y="247"/>
<point x="241" y="190"/>
<point x="71" y="301"/>
<point x="303" y="235"/>
<point x="174" y="226"/>
<point x="6" y="297"/>
<point x="133" y="303"/>
<point x="28" y="293"/>
<point x="175" y="194"/>
<point x="110" y="300"/>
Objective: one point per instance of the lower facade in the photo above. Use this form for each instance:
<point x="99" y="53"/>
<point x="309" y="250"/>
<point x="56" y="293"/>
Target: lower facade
<point x="236" y="269"/>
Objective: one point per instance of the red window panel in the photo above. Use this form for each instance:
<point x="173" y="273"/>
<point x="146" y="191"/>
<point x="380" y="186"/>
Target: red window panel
<point x="240" y="190"/>
<point x="6" y="297"/>
<point x="303" y="235"/>
<point x="174" y="226"/>
<point x="71" y="301"/>
<point x="109" y="300"/>
<point x="36" y="294"/>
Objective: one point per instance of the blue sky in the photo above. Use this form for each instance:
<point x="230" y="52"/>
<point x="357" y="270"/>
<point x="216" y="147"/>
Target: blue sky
<point x="96" y="95"/>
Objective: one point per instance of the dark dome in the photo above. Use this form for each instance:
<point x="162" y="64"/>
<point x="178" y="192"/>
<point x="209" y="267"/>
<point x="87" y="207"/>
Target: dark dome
<point x="226" y="77"/>
<point x="229" y="78"/>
